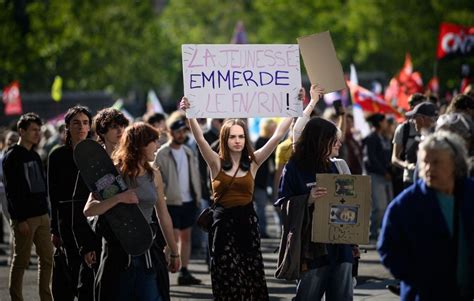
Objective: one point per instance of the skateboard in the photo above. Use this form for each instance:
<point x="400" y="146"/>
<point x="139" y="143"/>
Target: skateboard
<point x="102" y="178"/>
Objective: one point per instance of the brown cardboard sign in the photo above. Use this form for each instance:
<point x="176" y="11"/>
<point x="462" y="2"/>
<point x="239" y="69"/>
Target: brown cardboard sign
<point x="342" y="215"/>
<point x="321" y="62"/>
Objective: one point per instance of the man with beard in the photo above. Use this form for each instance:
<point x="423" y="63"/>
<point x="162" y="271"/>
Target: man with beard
<point x="424" y="116"/>
<point x="179" y="168"/>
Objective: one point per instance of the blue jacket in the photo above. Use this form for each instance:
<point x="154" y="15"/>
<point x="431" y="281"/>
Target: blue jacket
<point x="293" y="182"/>
<point x="416" y="246"/>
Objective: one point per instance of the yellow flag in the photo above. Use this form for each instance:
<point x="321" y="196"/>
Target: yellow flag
<point x="56" y="89"/>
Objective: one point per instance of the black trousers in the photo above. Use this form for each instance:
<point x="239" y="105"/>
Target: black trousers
<point x="75" y="279"/>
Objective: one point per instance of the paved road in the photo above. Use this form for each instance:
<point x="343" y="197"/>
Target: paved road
<point x="373" y="277"/>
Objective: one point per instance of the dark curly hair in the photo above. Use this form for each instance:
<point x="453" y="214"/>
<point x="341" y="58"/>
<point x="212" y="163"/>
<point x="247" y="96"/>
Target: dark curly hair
<point x="105" y="119"/>
<point x="27" y="119"/>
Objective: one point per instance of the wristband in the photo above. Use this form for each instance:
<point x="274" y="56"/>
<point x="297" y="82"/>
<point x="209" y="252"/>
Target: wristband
<point x="174" y="255"/>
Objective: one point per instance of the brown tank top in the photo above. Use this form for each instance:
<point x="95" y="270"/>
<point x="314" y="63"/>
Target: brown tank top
<point x="239" y="194"/>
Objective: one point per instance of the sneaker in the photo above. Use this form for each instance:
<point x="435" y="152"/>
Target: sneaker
<point x="188" y="279"/>
<point x="394" y="289"/>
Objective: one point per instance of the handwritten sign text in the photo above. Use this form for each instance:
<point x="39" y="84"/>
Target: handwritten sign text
<point x="242" y="80"/>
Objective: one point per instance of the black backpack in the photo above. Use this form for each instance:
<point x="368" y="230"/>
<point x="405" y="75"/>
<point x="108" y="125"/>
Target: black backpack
<point x="409" y="154"/>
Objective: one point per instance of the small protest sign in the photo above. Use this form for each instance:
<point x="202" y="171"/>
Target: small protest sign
<point x="342" y="215"/>
<point x="230" y="80"/>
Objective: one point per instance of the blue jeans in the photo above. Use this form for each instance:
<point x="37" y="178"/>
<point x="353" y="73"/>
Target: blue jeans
<point x="382" y="195"/>
<point x="138" y="282"/>
<point x="334" y="280"/>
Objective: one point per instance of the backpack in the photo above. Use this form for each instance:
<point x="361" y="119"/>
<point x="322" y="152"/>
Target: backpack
<point x="409" y="154"/>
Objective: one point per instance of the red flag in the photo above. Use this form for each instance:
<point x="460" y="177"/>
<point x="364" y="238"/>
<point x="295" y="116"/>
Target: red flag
<point x="371" y="102"/>
<point x="12" y="100"/>
<point x="407" y="66"/>
<point x="404" y="84"/>
<point x="454" y="40"/>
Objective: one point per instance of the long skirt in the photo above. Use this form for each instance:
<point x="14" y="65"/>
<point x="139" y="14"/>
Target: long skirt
<point x="237" y="271"/>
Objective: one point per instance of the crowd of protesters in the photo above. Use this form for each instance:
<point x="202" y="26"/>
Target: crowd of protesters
<point x="421" y="175"/>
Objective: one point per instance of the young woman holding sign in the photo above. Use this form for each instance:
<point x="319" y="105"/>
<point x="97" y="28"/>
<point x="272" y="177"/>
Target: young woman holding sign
<point x="237" y="270"/>
<point x="326" y="268"/>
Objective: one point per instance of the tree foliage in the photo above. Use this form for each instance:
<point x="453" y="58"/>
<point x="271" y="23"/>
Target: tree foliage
<point x="122" y="45"/>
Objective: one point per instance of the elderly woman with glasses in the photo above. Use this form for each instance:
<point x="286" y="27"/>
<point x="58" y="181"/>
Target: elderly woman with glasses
<point x="427" y="236"/>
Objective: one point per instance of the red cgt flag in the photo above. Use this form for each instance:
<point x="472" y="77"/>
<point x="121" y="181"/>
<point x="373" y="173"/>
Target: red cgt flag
<point x="371" y="102"/>
<point x="12" y="100"/>
<point x="454" y="40"/>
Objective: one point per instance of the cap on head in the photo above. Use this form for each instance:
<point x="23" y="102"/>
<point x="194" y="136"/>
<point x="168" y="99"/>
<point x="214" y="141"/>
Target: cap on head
<point x="177" y="125"/>
<point x="425" y="109"/>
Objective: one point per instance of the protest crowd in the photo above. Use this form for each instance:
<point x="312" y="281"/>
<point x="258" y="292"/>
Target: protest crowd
<point x="419" y="158"/>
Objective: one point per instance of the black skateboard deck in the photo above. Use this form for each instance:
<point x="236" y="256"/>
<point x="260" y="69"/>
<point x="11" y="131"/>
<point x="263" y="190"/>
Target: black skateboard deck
<point x="101" y="177"/>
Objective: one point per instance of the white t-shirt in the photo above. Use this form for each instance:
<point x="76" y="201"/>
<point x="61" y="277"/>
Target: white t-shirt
<point x="183" y="173"/>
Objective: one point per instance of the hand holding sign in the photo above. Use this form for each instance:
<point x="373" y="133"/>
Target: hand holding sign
<point x="317" y="192"/>
<point x="316" y="92"/>
<point x="184" y="104"/>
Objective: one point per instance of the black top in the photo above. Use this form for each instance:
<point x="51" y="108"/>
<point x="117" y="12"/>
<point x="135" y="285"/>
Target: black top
<point x="68" y="195"/>
<point x="378" y="153"/>
<point x="262" y="178"/>
<point x="25" y="183"/>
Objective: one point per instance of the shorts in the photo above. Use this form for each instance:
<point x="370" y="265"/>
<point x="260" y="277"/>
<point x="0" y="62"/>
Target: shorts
<point x="183" y="216"/>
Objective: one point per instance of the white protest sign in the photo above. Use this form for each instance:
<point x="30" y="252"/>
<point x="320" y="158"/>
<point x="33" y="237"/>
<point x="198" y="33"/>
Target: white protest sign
<point x="232" y="80"/>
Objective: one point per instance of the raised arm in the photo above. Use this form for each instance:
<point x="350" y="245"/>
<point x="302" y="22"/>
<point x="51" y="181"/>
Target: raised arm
<point x="316" y="93"/>
<point x="265" y="151"/>
<point x="95" y="207"/>
<point x="166" y="224"/>
<point x="210" y="156"/>
<point x="341" y="123"/>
